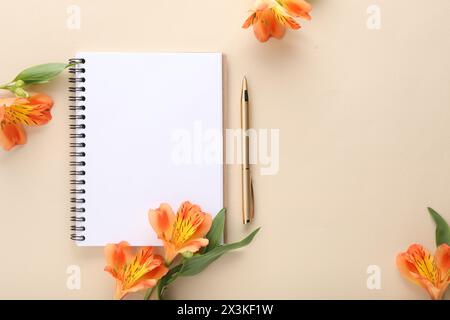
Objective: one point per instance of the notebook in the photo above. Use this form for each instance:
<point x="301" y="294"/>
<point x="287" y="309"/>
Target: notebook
<point x="141" y="125"/>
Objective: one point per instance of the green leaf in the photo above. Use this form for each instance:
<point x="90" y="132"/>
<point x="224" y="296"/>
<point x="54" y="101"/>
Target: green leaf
<point x="197" y="264"/>
<point x="442" y="228"/>
<point x="41" y="73"/>
<point x="148" y="294"/>
<point x="215" y="234"/>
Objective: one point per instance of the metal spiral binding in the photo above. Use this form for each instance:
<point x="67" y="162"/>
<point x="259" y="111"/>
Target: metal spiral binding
<point x="77" y="145"/>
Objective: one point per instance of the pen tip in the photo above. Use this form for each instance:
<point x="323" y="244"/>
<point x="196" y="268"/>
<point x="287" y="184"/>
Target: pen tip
<point x="244" y="82"/>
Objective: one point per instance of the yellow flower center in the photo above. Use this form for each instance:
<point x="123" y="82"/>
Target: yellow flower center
<point x="19" y="114"/>
<point x="427" y="268"/>
<point x="185" y="227"/>
<point x="135" y="270"/>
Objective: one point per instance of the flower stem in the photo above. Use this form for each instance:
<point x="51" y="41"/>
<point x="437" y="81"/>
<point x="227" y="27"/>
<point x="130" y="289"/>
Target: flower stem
<point x="149" y="292"/>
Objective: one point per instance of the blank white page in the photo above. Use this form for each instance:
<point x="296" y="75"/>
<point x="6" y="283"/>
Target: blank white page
<point x="135" y="105"/>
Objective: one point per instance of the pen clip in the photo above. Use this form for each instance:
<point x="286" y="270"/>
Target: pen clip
<point x="252" y="199"/>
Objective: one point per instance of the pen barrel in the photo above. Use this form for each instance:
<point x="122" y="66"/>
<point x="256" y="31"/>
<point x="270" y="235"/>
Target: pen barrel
<point x="247" y="196"/>
<point x="247" y="188"/>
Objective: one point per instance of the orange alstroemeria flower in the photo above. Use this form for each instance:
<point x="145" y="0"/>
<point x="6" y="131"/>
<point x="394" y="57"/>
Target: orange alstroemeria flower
<point x="16" y="112"/>
<point x="133" y="272"/>
<point x="431" y="273"/>
<point x="183" y="232"/>
<point x="270" y="18"/>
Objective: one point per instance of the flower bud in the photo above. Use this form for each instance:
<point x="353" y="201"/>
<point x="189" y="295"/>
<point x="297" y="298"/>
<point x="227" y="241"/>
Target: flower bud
<point x="19" y="83"/>
<point x="21" y="93"/>
<point x="187" y="254"/>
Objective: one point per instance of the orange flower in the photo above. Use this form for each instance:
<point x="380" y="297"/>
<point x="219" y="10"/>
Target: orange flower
<point x="270" y="18"/>
<point x="16" y="112"/>
<point x="431" y="273"/>
<point x="184" y="232"/>
<point x="133" y="272"/>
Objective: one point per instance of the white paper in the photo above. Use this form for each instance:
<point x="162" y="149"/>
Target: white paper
<point x="135" y="102"/>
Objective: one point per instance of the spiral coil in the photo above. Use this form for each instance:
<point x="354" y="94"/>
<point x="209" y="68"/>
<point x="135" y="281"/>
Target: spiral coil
<point x="77" y="145"/>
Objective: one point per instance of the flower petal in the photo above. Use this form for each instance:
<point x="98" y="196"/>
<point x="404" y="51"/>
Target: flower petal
<point x="117" y="255"/>
<point x="442" y="258"/>
<point x="249" y="21"/>
<point x="278" y="30"/>
<point x="194" y="245"/>
<point x="119" y="293"/>
<point x="297" y="8"/>
<point x="261" y="27"/>
<point x="41" y="99"/>
<point x="143" y="284"/>
<point x="162" y="220"/>
<point x="292" y="23"/>
<point x="407" y="269"/>
<point x="204" y="227"/>
<point x="159" y="270"/>
<point x="11" y="134"/>
<point x="7" y="102"/>
<point x="170" y="252"/>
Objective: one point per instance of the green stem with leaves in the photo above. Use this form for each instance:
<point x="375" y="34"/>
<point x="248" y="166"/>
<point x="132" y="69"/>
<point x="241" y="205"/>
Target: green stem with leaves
<point x="198" y="262"/>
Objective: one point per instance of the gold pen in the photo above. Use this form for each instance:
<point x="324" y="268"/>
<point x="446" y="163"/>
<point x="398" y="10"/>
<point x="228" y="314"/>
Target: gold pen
<point x="247" y="183"/>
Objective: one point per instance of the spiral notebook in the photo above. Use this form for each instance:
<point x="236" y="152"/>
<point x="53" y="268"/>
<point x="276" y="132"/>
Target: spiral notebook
<point x="144" y="129"/>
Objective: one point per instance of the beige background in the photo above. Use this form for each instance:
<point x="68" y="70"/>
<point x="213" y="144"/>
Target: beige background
<point x="365" y="130"/>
